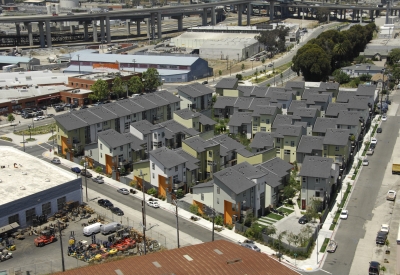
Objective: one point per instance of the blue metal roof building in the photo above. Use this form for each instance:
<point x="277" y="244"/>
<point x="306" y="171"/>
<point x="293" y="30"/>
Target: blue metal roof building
<point x="172" y="68"/>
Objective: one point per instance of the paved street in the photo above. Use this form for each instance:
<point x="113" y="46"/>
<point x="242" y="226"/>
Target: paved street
<point x="365" y="199"/>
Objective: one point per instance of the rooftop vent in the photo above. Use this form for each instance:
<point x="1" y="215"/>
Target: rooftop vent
<point x="46" y="179"/>
<point x="187" y="257"/>
<point x="234" y="261"/>
<point x="218" y="251"/>
<point x="119" y="272"/>
<point x="24" y="173"/>
<point x="156" y="264"/>
<point x="22" y="188"/>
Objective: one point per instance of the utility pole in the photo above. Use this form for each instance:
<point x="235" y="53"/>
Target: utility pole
<point x="61" y="247"/>
<point x="23" y="140"/>
<point x="143" y="215"/>
<point x="85" y="164"/>
<point x="177" y="222"/>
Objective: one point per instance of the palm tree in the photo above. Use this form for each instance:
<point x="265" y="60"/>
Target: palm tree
<point x="340" y="50"/>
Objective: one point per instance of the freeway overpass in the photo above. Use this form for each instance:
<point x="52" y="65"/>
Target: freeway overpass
<point x="155" y="15"/>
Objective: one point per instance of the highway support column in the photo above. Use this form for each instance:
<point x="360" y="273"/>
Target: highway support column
<point x="41" y="34"/>
<point x="138" y="27"/>
<point x="249" y="11"/>
<point x="102" y="29"/>
<point x="108" y="30"/>
<point x="94" y="25"/>
<point x="48" y="33"/>
<point x="86" y="30"/>
<point x="18" y="31"/>
<point x="271" y="10"/>
<point x="180" y="23"/>
<point x="204" y="17"/>
<point x="213" y="18"/>
<point x="28" y="27"/>
<point x="239" y="13"/>
<point x="128" y="27"/>
<point x="159" y="25"/>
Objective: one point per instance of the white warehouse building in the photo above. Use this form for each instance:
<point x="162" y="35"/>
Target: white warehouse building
<point x="31" y="187"/>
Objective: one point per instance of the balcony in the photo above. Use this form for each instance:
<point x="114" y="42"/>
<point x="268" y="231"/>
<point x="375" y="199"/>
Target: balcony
<point x="177" y="184"/>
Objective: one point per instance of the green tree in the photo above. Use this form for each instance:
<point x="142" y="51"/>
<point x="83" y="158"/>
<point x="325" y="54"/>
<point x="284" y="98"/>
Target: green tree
<point x="135" y="85"/>
<point x="290" y="238"/>
<point x="194" y="209"/>
<point x="219" y="220"/>
<point x="269" y="230"/>
<point x="341" y="77"/>
<point x="282" y="79"/>
<point x="220" y="72"/>
<point x="394" y="56"/>
<point x="118" y="87"/>
<point x="151" y="79"/>
<point x="243" y="67"/>
<point x="322" y="14"/>
<point x="313" y="62"/>
<point x="263" y="60"/>
<point x="239" y="77"/>
<point x="10" y="118"/>
<point x="100" y="90"/>
<point x="289" y="191"/>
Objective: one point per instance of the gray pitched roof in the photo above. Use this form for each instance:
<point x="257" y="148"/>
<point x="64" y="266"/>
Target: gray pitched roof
<point x="323" y="123"/>
<point x="253" y="91"/>
<point x="205" y="120"/>
<point x="263" y="102"/>
<point x="244" y="152"/>
<point x="296" y="104"/>
<point x="309" y="143"/>
<point x="264" y="110"/>
<point x="224" y="101"/>
<point x="172" y="128"/>
<point x="281" y="119"/>
<point x="192" y="163"/>
<point x="198" y="144"/>
<point x="363" y="67"/>
<point x="317" y="167"/>
<point x="143" y="126"/>
<point x="227" y="83"/>
<point x="189" y="114"/>
<point x="338" y="137"/>
<point x="280" y="95"/>
<point x="335" y="108"/>
<point x="113" y="139"/>
<point x="226" y="143"/>
<point x="234" y="180"/>
<point x="348" y="118"/>
<point x="195" y="89"/>
<point x="136" y="143"/>
<point x="345" y="95"/>
<point x="366" y="90"/>
<point x="358" y="102"/>
<point x="240" y="118"/>
<point x="248" y="170"/>
<point x="70" y="121"/>
<point x="305" y="112"/>
<point x="278" y="166"/>
<point x="295" y="84"/>
<point x="167" y="157"/>
<point x="312" y="98"/>
<point x="272" y="179"/>
<point x="288" y="130"/>
<point x="243" y="103"/>
<point x="204" y="184"/>
<point x="262" y="140"/>
<point x="329" y="85"/>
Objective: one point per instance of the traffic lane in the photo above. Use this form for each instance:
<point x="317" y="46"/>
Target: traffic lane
<point x="362" y="202"/>
<point x="164" y="216"/>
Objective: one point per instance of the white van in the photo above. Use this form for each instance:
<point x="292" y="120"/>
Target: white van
<point x="92" y="229"/>
<point x="110" y="228"/>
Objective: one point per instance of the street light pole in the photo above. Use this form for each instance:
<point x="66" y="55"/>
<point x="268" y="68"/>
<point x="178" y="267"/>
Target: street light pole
<point x="273" y="71"/>
<point x="177" y="222"/>
<point x="52" y="135"/>
<point x="61" y="247"/>
<point x="30" y="133"/>
<point x="143" y="215"/>
<point x="23" y="140"/>
<point x="85" y="163"/>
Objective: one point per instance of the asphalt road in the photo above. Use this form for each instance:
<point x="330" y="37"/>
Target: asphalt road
<point x="162" y="216"/>
<point x="362" y="201"/>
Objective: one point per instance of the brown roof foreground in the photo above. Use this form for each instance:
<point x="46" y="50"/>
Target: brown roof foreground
<point x="218" y="257"/>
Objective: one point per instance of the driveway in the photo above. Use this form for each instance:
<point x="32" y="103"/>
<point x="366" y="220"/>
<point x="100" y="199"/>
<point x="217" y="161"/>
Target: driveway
<point x="291" y="224"/>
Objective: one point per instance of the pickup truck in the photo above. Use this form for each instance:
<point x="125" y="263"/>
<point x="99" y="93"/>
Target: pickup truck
<point x="331" y="248"/>
<point x="391" y="195"/>
<point x="385" y="228"/>
<point x="381" y="237"/>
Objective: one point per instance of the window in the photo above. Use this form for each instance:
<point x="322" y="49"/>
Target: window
<point x="13" y="218"/>
<point x="217" y="200"/>
<point x="29" y="214"/>
<point x="278" y="150"/>
<point x="348" y="127"/>
<point x="105" y="123"/>
<point x="153" y="176"/>
<point x="101" y="155"/>
<point x="278" y="140"/>
<point x="263" y="129"/>
<point x="176" y="168"/>
<point x="121" y="148"/>
<point x="155" y="135"/>
<point x="101" y="146"/>
<point x="60" y="202"/>
<point x="336" y="148"/>
<point x="317" y="194"/>
<point x="325" y="147"/>
<point x="304" y="179"/>
<point x="202" y="197"/>
<point x="287" y="152"/>
<point x="46" y="208"/>
<point x="98" y="124"/>
<point x="267" y="121"/>
<point x="153" y="166"/>
<point x="210" y="154"/>
<point x="292" y="143"/>
<point x="218" y="190"/>
<point x="128" y="117"/>
<point x="126" y="126"/>
<point x="194" y="124"/>
<point x="162" y="134"/>
<point x="134" y="115"/>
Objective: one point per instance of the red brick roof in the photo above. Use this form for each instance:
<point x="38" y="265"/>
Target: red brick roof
<point x="219" y="257"/>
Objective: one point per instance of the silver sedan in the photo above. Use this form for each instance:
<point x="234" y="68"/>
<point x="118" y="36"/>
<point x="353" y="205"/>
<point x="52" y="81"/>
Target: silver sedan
<point x="123" y="191"/>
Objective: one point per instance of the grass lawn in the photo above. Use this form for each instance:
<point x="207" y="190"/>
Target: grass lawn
<point x="287" y="205"/>
<point x="40" y="130"/>
<point x="274" y="216"/>
<point x="266" y="221"/>
<point x="285" y="210"/>
<point x="324" y="245"/>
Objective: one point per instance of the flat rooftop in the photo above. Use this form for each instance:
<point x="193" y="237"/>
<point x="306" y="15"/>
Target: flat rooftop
<point x="31" y="176"/>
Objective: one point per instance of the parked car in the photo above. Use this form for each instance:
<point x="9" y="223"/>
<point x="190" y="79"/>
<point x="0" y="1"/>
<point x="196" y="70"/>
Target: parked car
<point x="365" y="162"/>
<point x="84" y="107"/>
<point x="332" y="245"/>
<point x="303" y="220"/>
<point x="379" y="130"/>
<point x="153" y="204"/>
<point x="117" y="211"/>
<point x="385" y="228"/>
<point x="374" y="141"/>
<point x="123" y="191"/>
<point x="344" y="214"/>
<point x="251" y="246"/>
<point x="86" y="173"/>
<point x="76" y="170"/>
<point x="204" y="82"/>
<point x="372" y="146"/>
<point x="381" y="237"/>
<point x="391" y="195"/>
<point x="384" y="117"/>
<point x="105" y="203"/>
<point x="270" y="65"/>
<point x="50" y="115"/>
<point x="38" y="118"/>
<point x="56" y="160"/>
<point x="370" y="151"/>
<point x="374" y="268"/>
<point x="98" y="179"/>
